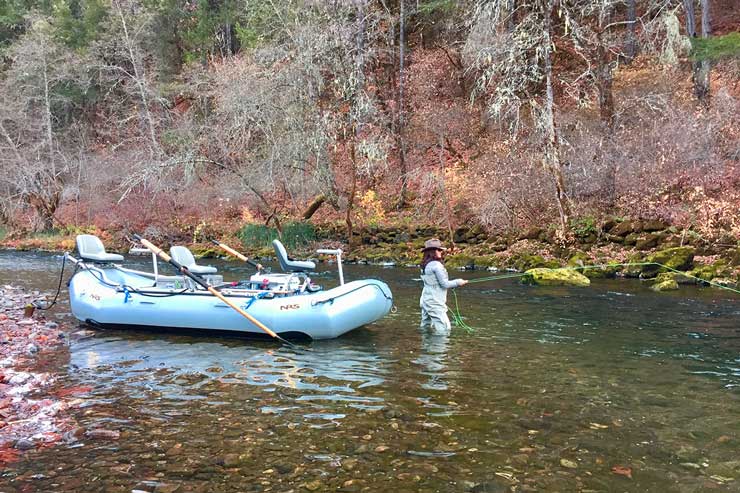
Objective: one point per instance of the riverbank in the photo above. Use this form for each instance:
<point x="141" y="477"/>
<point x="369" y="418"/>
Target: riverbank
<point x="34" y="414"/>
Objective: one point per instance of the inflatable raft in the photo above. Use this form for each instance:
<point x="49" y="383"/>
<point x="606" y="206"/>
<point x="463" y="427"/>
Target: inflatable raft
<point x="104" y="293"/>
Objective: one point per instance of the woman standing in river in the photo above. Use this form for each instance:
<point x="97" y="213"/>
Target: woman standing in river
<point x="436" y="283"/>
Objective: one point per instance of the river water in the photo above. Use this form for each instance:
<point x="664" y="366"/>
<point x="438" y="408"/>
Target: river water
<point x="608" y="388"/>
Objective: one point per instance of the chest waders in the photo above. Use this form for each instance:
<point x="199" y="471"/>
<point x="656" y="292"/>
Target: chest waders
<point x="433" y="304"/>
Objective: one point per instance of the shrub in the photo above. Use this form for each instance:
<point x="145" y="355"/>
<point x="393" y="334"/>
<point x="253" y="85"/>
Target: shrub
<point x="294" y="234"/>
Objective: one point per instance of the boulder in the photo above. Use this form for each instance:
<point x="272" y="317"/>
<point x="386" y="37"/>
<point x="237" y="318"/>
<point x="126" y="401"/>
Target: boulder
<point x="667" y="285"/>
<point x="531" y="234"/>
<point x="647" y="241"/>
<point x="555" y="277"/>
<point x="653" y="225"/>
<point x="710" y="271"/>
<point x="631" y="239"/>
<point x="622" y="229"/>
<point x="679" y="258"/>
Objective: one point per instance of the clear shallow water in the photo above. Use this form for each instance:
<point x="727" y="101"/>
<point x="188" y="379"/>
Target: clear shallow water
<point x="553" y="389"/>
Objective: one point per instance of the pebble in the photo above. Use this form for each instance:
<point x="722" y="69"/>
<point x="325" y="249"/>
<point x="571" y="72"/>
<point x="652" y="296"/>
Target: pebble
<point x="25" y="444"/>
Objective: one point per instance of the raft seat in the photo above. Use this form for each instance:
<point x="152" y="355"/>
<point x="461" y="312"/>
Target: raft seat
<point x="287" y="263"/>
<point x="91" y="248"/>
<point x="184" y="257"/>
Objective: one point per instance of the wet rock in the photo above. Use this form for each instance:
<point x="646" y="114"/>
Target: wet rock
<point x="570" y="464"/>
<point x="283" y="467"/>
<point x="665" y="285"/>
<point x="313" y="485"/>
<point x="167" y="488"/>
<point x="555" y="277"/>
<point x="679" y="258"/>
<point x="493" y="486"/>
<point x="103" y="434"/>
<point x="25" y="444"/>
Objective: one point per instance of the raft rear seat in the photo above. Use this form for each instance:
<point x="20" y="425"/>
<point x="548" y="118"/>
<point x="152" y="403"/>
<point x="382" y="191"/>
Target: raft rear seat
<point x="91" y="248"/>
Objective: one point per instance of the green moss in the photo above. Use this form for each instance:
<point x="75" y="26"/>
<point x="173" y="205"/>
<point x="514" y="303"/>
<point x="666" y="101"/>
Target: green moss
<point x="710" y="271"/>
<point x="555" y="277"/>
<point x="459" y="261"/>
<point x="669" y="285"/>
<point x="679" y="258"/>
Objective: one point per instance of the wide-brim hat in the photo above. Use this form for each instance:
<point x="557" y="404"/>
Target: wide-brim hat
<point x="433" y="244"/>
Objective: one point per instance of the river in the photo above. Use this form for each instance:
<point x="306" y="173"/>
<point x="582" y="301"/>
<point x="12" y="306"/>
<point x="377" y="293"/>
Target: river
<point x="607" y="388"/>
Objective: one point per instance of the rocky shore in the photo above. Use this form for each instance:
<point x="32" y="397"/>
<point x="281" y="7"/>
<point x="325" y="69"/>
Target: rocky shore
<point x="33" y="414"/>
<point x="623" y="248"/>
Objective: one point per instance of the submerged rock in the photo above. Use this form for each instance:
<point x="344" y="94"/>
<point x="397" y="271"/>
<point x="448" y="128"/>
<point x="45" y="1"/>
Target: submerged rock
<point x="555" y="277"/>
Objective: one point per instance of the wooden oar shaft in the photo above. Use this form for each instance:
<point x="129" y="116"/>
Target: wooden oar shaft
<point x="233" y="252"/>
<point x="236" y="254"/>
<point x="161" y="254"/>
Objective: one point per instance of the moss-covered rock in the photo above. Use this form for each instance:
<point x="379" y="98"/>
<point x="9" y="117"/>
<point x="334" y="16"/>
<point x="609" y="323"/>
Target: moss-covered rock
<point x="665" y="282"/>
<point x="647" y="241"/>
<point x="578" y="259"/>
<point x="526" y="261"/>
<point x="679" y="258"/>
<point x="708" y="272"/>
<point x="584" y="264"/>
<point x="460" y="261"/>
<point x="555" y="277"/>
<point x="633" y="270"/>
<point x="622" y="229"/>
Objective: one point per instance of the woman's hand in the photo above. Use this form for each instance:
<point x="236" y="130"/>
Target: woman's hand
<point x="462" y="282"/>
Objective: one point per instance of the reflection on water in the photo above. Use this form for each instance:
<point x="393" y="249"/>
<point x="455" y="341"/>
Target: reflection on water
<point x="433" y="359"/>
<point x="611" y="388"/>
<point x="179" y="367"/>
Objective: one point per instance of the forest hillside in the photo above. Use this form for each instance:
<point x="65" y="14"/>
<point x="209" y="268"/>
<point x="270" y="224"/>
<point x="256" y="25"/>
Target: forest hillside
<point x="372" y="122"/>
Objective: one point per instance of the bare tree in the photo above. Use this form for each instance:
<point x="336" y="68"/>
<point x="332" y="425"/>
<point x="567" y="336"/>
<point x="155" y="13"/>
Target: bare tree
<point x="702" y="68"/>
<point x="515" y="70"/>
<point x="34" y="118"/>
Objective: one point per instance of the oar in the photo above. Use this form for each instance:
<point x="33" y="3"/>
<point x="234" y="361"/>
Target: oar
<point x="236" y="254"/>
<point x="157" y="251"/>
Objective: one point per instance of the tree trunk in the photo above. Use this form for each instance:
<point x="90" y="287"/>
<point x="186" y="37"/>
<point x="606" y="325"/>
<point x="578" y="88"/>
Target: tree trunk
<point x="140" y="81"/>
<point x="604" y="84"/>
<point x="631" y="48"/>
<point x="511" y="21"/>
<point x="702" y="68"/>
<point x="552" y="154"/>
<point x="351" y="197"/>
<point x="403" y="198"/>
<point x="688" y="6"/>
